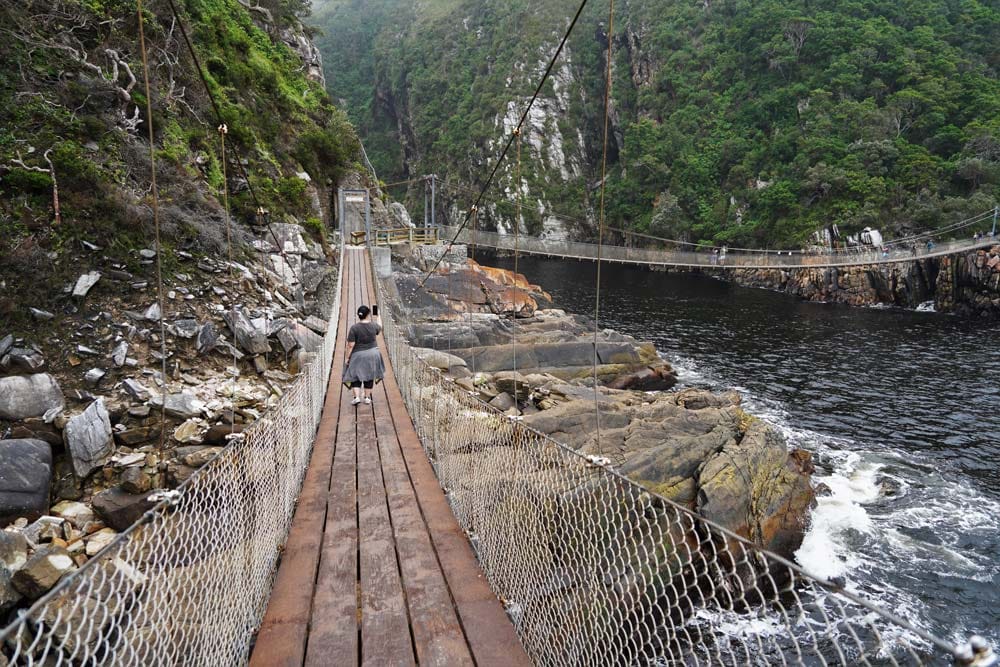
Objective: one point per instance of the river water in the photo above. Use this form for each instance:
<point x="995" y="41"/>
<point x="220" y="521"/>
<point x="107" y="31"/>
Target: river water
<point x="900" y="409"/>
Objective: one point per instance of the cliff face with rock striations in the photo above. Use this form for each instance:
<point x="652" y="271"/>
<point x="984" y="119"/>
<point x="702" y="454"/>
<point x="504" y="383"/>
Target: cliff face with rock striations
<point x="966" y="284"/>
<point x="749" y="124"/>
<point x="90" y="424"/>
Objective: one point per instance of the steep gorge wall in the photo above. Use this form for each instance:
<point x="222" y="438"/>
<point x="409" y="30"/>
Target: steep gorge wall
<point x="966" y="284"/>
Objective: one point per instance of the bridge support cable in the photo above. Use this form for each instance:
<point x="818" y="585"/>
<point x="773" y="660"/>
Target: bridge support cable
<point x="510" y="139"/>
<point x="223" y="131"/>
<point x="262" y="213"/>
<point x="517" y="254"/>
<point x="601" y="216"/>
<point x="155" y="193"/>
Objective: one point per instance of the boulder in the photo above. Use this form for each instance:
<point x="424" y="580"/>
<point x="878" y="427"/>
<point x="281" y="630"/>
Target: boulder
<point x="36" y="428"/>
<point x="136" y="389"/>
<point x="120" y="354"/>
<point x="248" y="338"/>
<point x="78" y="514"/>
<point x="759" y="489"/>
<point x="47" y="529"/>
<point x="316" y="324"/>
<point x="9" y="596"/>
<point x="120" y="509"/>
<point x="89" y="439"/>
<point x="296" y="335"/>
<point x="190" y="431"/>
<point x="43" y="571"/>
<point x="25" y="476"/>
<point x="208" y="338"/>
<point x="289" y="238"/>
<point x="6" y="343"/>
<point x="182" y="405"/>
<point x="13" y="550"/>
<point x="503" y="402"/>
<point x="135" y="481"/>
<point x="201" y="457"/>
<point x="439" y="359"/>
<point x="137" y="436"/>
<point x="22" y="360"/>
<point x="85" y="282"/>
<point x="24" y="396"/>
<point x="185" y="328"/>
<point x="98" y="540"/>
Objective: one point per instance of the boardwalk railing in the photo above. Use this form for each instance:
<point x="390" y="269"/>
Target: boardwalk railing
<point x="189" y="582"/>
<point x="595" y="569"/>
<point x="705" y="259"/>
<point x="423" y="235"/>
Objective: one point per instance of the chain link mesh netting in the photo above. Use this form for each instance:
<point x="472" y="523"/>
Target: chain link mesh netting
<point x="189" y="583"/>
<point x="595" y="569"/>
<point x="732" y="259"/>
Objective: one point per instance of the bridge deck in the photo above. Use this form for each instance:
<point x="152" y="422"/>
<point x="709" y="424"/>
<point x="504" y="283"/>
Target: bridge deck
<point x="376" y="569"/>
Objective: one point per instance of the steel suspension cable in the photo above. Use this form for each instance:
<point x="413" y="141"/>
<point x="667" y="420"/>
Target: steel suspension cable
<point x="156" y="222"/>
<point x="239" y="162"/>
<point x="510" y="140"/>
<point x="223" y="131"/>
<point x="517" y="236"/>
<point x="601" y="217"/>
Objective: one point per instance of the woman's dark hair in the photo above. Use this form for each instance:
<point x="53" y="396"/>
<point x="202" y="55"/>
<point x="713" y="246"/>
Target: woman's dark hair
<point x="363" y="312"/>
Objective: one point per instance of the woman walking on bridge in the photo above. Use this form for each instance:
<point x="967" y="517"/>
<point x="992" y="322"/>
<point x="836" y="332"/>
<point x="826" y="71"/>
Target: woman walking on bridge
<point x="364" y="365"/>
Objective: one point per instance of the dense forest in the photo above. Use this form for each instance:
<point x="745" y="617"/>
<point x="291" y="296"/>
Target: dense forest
<point x="734" y="121"/>
<point x="73" y="130"/>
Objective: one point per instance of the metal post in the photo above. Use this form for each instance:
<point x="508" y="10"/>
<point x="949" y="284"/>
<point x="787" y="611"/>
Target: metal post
<point x="433" y="198"/>
<point x="368" y="216"/>
<point x="996" y="213"/>
<point x="340" y="212"/>
<point x="425" y="202"/>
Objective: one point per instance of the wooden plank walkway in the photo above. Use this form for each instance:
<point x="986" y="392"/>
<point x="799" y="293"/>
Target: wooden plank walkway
<point x="377" y="570"/>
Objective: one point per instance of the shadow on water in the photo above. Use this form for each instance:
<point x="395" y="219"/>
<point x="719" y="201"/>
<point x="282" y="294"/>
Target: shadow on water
<point x="901" y="410"/>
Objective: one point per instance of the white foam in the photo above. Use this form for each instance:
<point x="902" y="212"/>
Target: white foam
<point x="926" y="307"/>
<point x="824" y="551"/>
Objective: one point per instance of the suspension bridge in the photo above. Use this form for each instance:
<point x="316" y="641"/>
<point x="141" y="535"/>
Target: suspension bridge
<point x="671" y="253"/>
<point x="430" y="527"/>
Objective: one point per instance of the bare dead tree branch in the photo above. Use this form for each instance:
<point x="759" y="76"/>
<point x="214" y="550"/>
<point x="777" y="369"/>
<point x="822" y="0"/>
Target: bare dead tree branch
<point x="50" y="170"/>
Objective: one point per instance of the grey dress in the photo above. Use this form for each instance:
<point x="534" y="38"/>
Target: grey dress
<point x="365" y="364"/>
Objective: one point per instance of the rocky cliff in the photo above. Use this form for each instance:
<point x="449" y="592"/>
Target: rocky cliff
<point x="966" y="284"/>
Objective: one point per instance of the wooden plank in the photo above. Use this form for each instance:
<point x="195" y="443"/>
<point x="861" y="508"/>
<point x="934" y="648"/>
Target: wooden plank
<point x="334" y="625"/>
<point x="385" y="629"/>
<point x="488" y="630"/>
<point x="283" y="634"/>
<point x="437" y="633"/>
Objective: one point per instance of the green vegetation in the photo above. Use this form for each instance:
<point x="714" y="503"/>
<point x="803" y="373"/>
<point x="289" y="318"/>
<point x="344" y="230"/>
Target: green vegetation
<point x="66" y="91"/>
<point x="748" y="123"/>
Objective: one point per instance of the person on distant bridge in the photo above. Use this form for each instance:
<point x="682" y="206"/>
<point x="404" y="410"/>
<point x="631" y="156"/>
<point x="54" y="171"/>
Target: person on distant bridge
<point x="364" y="365"/>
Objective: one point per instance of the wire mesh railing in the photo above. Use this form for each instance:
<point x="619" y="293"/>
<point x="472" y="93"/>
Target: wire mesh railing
<point x="596" y="569"/>
<point x="890" y="252"/>
<point x="189" y="582"/>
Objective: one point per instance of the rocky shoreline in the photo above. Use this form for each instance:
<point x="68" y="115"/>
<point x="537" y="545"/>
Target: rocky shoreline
<point x="694" y="447"/>
<point x="82" y="392"/>
<point x="966" y="285"/>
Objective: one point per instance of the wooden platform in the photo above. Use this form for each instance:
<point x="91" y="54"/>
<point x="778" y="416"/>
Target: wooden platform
<point x="376" y="569"/>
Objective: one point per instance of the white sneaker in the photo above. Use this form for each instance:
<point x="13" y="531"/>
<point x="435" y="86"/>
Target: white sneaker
<point x="355" y="400"/>
<point x="368" y="401"/>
